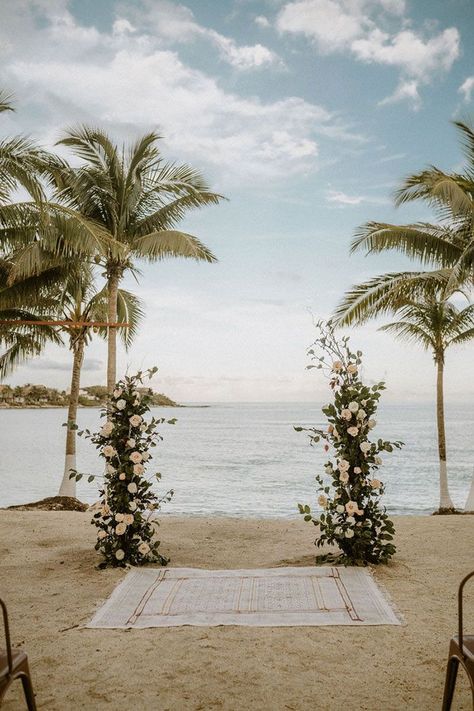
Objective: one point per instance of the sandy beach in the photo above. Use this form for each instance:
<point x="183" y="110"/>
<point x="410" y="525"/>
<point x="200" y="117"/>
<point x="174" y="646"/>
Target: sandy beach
<point x="51" y="586"/>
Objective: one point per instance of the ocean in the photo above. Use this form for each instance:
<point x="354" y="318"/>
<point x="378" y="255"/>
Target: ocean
<point x="242" y="459"/>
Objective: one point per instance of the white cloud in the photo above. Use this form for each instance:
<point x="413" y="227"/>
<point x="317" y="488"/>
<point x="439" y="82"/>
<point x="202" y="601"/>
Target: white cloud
<point x="129" y="83"/>
<point x="406" y="90"/>
<point x="262" y="21"/>
<point x="409" y="52"/>
<point x="343" y="200"/>
<point x="176" y="24"/>
<point x="394" y="156"/>
<point x="327" y="22"/>
<point x="243" y="57"/>
<point x="467" y="88"/>
<point x="354" y="26"/>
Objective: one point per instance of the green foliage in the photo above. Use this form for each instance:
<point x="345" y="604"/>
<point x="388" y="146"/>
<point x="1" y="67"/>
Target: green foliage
<point x="349" y="493"/>
<point x="127" y="519"/>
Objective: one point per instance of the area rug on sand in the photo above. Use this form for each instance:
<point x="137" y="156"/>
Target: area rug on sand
<point x="275" y="597"/>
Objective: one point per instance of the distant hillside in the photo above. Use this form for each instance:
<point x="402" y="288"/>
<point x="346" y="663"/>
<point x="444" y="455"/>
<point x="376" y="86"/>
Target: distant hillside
<point x="41" y="396"/>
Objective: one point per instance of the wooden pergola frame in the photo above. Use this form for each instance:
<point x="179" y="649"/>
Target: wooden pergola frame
<point x="67" y="324"/>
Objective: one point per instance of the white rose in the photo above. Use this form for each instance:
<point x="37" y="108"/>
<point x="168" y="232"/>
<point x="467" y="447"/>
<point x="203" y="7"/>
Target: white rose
<point x="105" y="510"/>
<point x="135" y="457"/>
<point x="349" y="533"/>
<point x="132" y="488"/>
<point x="121" y="404"/>
<point x="361" y="415"/>
<point x="337" y="366"/>
<point x="365" y="447"/>
<point x="135" y="420"/>
<point x="107" y="429"/>
<point x="350" y="520"/>
<point x="131" y="443"/>
<point x="353" y="406"/>
<point x="102" y="534"/>
<point x="322" y="501"/>
<point x="120" y="528"/>
<point x="109" y="451"/>
<point x="340" y="508"/>
<point x="122" y="476"/>
<point x="375" y="484"/>
<point x="343" y="465"/>
<point x="371" y="424"/>
<point x="344" y="477"/>
<point x="132" y="505"/>
<point x="129" y="519"/>
<point x="138" y="469"/>
<point x="352" y="369"/>
<point x="119" y="517"/>
<point x="120" y="554"/>
<point x="351" y="507"/>
<point x="117" y="393"/>
<point x="143" y="548"/>
<point x="346" y="414"/>
<point x="110" y="469"/>
<point x="357" y="470"/>
<point x="353" y="431"/>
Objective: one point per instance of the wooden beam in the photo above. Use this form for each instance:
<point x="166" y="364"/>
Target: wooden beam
<point x="67" y="324"/>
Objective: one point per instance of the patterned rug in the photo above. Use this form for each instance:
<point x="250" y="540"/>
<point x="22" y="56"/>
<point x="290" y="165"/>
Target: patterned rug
<point x="274" y="597"/>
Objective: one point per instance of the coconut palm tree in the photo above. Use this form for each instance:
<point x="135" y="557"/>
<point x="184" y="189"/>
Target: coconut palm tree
<point x="82" y="303"/>
<point x="59" y="294"/>
<point x="22" y="163"/>
<point x="446" y="245"/>
<point x="137" y="199"/>
<point x="433" y="321"/>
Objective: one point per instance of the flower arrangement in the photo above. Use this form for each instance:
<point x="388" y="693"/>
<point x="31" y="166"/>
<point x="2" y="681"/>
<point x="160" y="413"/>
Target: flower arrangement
<point x="126" y="520"/>
<point x="349" y="495"/>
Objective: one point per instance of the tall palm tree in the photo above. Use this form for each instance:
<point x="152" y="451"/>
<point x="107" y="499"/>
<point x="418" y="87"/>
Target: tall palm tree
<point x="137" y="199"/>
<point x="446" y="245"/>
<point x="82" y="303"/>
<point x="435" y="323"/>
<point x="60" y="293"/>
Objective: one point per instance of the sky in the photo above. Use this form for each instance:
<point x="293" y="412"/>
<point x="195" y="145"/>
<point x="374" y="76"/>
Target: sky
<point x="306" y="115"/>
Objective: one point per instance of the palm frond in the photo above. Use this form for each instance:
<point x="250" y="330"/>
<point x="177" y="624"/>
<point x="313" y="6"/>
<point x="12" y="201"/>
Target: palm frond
<point x="170" y="243"/>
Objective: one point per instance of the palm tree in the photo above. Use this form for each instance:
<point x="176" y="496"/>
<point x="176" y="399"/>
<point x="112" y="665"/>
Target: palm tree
<point x="82" y="303"/>
<point x="59" y="294"/>
<point x="22" y="341"/>
<point x="137" y="199"/>
<point x="22" y="163"/>
<point x="433" y="321"/>
<point x="447" y="245"/>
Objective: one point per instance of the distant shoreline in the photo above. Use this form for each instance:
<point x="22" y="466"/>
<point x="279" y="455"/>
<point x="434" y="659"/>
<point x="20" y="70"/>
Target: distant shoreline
<point x="81" y="407"/>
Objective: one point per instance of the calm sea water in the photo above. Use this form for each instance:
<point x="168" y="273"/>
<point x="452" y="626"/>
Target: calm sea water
<point x="241" y="459"/>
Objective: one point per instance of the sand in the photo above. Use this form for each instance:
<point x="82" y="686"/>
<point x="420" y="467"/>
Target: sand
<point x="48" y="578"/>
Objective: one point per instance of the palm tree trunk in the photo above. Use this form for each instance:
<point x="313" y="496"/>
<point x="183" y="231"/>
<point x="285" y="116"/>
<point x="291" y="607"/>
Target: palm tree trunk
<point x="445" y="501"/>
<point x="68" y="486"/>
<point x="113" y="283"/>
<point x="470" y="499"/>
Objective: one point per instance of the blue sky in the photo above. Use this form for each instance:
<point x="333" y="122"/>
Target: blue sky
<point x="305" y="114"/>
